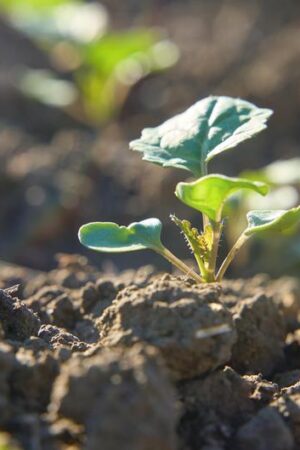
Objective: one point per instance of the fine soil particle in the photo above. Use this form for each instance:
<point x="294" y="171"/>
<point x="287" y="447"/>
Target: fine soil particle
<point x="141" y="361"/>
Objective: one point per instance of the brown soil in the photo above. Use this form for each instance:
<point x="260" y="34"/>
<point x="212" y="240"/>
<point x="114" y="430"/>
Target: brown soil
<point x="144" y="361"/>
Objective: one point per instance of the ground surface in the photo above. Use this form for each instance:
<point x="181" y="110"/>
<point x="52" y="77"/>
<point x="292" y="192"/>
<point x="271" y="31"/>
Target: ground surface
<point x="144" y="361"/>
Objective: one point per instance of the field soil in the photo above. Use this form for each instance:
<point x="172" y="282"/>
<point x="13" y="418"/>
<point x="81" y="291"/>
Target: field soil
<point x="141" y="360"/>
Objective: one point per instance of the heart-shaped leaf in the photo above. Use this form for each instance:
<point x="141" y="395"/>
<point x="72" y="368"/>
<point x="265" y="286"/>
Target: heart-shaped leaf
<point x="212" y="125"/>
<point x="208" y="194"/>
<point x="268" y="220"/>
<point x="110" y="237"/>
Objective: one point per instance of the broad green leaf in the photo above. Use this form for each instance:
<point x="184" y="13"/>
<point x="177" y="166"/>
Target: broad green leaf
<point x="208" y="194"/>
<point x="110" y="237"/>
<point x="268" y="220"/>
<point x="209" y="127"/>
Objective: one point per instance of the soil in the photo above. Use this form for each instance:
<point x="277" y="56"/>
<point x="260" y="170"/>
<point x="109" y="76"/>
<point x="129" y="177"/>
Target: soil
<point x="141" y="360"/>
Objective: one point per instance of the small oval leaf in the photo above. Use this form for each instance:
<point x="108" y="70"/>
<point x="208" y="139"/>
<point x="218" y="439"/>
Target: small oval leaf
<point x="190" y="139"/>
<point x="268" y="220"/>
<point x="110" y="237"/>
<point x="208" y="194"/>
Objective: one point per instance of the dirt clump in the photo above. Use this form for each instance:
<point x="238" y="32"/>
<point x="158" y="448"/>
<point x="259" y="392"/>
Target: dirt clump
<point x="121" y="398"/>
<point x="261" y="333"/>
<point x="267" y="430"/>
<point x="169" y="314"/>
<point x="16" y="319"/>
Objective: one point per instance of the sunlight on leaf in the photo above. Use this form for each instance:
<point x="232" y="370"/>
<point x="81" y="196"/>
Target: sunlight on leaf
<point x="110" y="237"/>
<point x="208" y="194"/>
<point x="209" y="127"/>
<point x="269" y="220"/>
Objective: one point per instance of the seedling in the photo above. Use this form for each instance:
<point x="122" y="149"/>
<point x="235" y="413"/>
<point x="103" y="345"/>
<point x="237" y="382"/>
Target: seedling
<point x="102" y="65"/>
<point x="189" y="141"/>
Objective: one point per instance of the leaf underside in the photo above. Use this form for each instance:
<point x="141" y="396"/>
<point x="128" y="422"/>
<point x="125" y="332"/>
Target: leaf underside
<point x="275" y="221"/>
<point x="209" y="193"/>
<point x="209" y="127"/>
<point x="110" y="237"/>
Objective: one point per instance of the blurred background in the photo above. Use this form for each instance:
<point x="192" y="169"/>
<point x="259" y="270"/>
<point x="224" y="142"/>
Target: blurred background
<point x="80" y="79"/>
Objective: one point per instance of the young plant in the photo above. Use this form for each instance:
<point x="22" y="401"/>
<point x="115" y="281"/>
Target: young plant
<point x="189" y="141"/>
<point x="102" y="65"/>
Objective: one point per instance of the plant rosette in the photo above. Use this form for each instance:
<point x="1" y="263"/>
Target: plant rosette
<point x="189" y="141"/>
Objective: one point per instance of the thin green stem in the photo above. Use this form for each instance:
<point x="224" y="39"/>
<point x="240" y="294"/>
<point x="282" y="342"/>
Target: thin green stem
<point x="204" y="171"/>
<point x="217" y="228"/>
<point x="231" y="255"/>
<point x="179" y="264"/>
<point x="200" y="264"/>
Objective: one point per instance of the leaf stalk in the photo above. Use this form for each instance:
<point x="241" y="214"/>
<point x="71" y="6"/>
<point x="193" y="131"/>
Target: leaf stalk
<point x="231" y="255"/>
<point x="179" y="264"/>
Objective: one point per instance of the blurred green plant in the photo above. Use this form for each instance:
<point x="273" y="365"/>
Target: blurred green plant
<point x="189" y="141"/>
<point x="7" y="443"/>
<point x="102" y="65"/>
<point x="283" y="176"/>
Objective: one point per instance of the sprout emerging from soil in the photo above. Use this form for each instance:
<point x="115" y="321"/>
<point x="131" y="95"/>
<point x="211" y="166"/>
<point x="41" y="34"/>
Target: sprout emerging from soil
<point x="189" y="141"/>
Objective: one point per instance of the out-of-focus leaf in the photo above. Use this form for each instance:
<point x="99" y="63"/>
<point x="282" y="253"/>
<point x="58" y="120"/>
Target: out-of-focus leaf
<point x="278" y="172"/>
<point x="34" y="5"/>
<point x="111" y="65"/>
<point x="208" y="194"/>
<point x="105" y="54"/>
<point x="46" y="88"/>
<point x="105" y="64"/>
<point x="269" y="220"/>
<point x="110" y="237"/>
<point x="71" y="20"/>
<point x="209" y="127"/>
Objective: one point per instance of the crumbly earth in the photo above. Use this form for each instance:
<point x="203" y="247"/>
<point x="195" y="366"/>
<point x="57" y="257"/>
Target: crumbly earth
<point x="144" y="361"/>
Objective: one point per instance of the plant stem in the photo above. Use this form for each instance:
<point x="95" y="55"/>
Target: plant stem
<point x="217" y="228"/>
<point x="204" y="171"/>
<point x="229" y="258"/>
<point x="179" y="264"/>
<point x="200" y="264"/>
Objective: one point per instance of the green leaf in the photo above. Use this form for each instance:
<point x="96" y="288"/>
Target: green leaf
<point x="110" y="237"/>
<point x="209" y="127"/>
<point x="268" y="220"/>
<point x="208" y="194"/>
